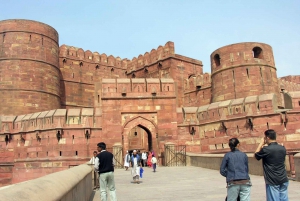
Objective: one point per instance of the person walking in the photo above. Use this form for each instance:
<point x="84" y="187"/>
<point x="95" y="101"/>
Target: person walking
<point x="144" y="159"/>
<point x="95" y="175"/>
<point x="126" y="160"/>
<point x="104" y="164"/>
<point x="273" y="157"/>
<point x="154" y="161"/>
<point x="235" y="168"/>
<point x="149" y="164"/>
<point x="135" y="164"/>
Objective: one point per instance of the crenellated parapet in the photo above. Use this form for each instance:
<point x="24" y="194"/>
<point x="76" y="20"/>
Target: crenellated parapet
<point x="291" y="78"/>
<point x="288" y="86"/>
<point x="78" y="54"/>
<point x="148" y="59"/>
<point x="236" y="108"/>
<point x="56" y="120"/>
<point x="138" y="87"/>
<point x="197" y="82"/>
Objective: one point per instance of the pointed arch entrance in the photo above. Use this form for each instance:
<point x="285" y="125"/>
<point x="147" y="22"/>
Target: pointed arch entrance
<point x="145" y="131"/>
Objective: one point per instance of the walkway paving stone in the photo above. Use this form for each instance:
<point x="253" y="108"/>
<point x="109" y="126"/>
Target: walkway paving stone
<point x="184" y="184"/>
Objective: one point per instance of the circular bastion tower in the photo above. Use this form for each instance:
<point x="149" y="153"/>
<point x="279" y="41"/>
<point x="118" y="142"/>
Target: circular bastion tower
<point x="243" y="69"/>
<point x="29" y="71"/>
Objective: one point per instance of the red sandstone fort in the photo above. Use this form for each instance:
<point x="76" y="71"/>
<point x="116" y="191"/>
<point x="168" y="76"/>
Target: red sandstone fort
<point x="57" y="103"/>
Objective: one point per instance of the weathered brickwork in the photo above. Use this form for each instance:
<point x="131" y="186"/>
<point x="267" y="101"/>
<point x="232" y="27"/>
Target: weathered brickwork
<point x="59" y="102"/>
<point x="30" y="76"/>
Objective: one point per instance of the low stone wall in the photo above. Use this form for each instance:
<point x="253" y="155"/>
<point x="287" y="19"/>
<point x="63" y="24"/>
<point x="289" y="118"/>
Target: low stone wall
<point x="74" y="184"/>
<point x="213" y="161"/>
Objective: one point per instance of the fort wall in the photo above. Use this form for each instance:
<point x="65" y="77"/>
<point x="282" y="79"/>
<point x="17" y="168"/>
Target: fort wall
<point x="28" y="54"/>
<point x="241" y="70"/>
<point x="58" y="103"/>
<point x="37" y="144"/>
<point x="244" y="118"/>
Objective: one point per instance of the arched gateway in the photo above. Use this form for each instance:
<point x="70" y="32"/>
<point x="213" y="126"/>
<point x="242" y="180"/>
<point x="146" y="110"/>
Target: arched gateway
<point x="148" y="132"/>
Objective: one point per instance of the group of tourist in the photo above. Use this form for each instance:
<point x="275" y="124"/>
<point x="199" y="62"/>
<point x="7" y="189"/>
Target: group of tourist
<point x="146" y="158"/>
<point x="103" y="162"/>
<point x="234" y="167"/>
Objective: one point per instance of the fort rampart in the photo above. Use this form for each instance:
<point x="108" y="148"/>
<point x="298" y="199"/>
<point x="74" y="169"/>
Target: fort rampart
<point x="59" y="102"/>
<point x="30" y="76"/>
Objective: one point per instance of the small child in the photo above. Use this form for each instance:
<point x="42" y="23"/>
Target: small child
<point x="154" y="161"/>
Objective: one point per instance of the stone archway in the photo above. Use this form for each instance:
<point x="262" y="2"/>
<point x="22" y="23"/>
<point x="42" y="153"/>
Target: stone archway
<point x="149" y="126"/>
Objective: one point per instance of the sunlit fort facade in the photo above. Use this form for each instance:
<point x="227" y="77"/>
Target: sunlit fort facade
<point x="57" y="103"/>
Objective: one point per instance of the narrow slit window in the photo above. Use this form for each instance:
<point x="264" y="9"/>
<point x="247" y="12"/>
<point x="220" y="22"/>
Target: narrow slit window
<point x="247" y="72"/>
<point x="47" y="153"/>
<point x="60" y="153"/>
<point x="3" y="37"/>
<point x="72" y="139"/>
<point x="37" y="154"/>
<point x="260" y="72"/>
<point x="29" y="38"/>
<point x="76" y="153"/>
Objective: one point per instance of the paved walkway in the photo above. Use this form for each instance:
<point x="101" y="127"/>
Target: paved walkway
<point x="184" y="184"/>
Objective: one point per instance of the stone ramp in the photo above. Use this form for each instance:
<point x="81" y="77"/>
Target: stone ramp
<point x="184" y="183"/>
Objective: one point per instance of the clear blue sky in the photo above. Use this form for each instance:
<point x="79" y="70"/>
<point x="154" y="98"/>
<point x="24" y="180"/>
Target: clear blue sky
<point x="127" y="28"/>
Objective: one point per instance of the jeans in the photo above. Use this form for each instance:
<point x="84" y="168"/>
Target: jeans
<point x="234" y="190"/>
<point x="277" y="192"/>
<point x="154" y="166"/>
<point x="107" y="180"/>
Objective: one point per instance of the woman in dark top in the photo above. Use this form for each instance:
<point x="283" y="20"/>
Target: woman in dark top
<point x="235" y="168"/>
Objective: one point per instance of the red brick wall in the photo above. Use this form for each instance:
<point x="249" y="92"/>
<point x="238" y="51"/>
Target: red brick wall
<point x="29" y="74"/>
<point x="81" y="70"/>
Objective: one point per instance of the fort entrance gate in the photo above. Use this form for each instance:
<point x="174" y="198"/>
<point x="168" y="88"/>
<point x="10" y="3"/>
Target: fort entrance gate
<point x="139" y="133"/>
<point x="175" y="155"/>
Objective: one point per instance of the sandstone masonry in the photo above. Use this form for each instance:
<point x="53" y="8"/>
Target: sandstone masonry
<point x="57" y="103"/>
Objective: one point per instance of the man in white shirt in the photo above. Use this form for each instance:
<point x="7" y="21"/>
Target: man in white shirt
<point x="144" y="159"/>
<point x="95" y="174"/>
